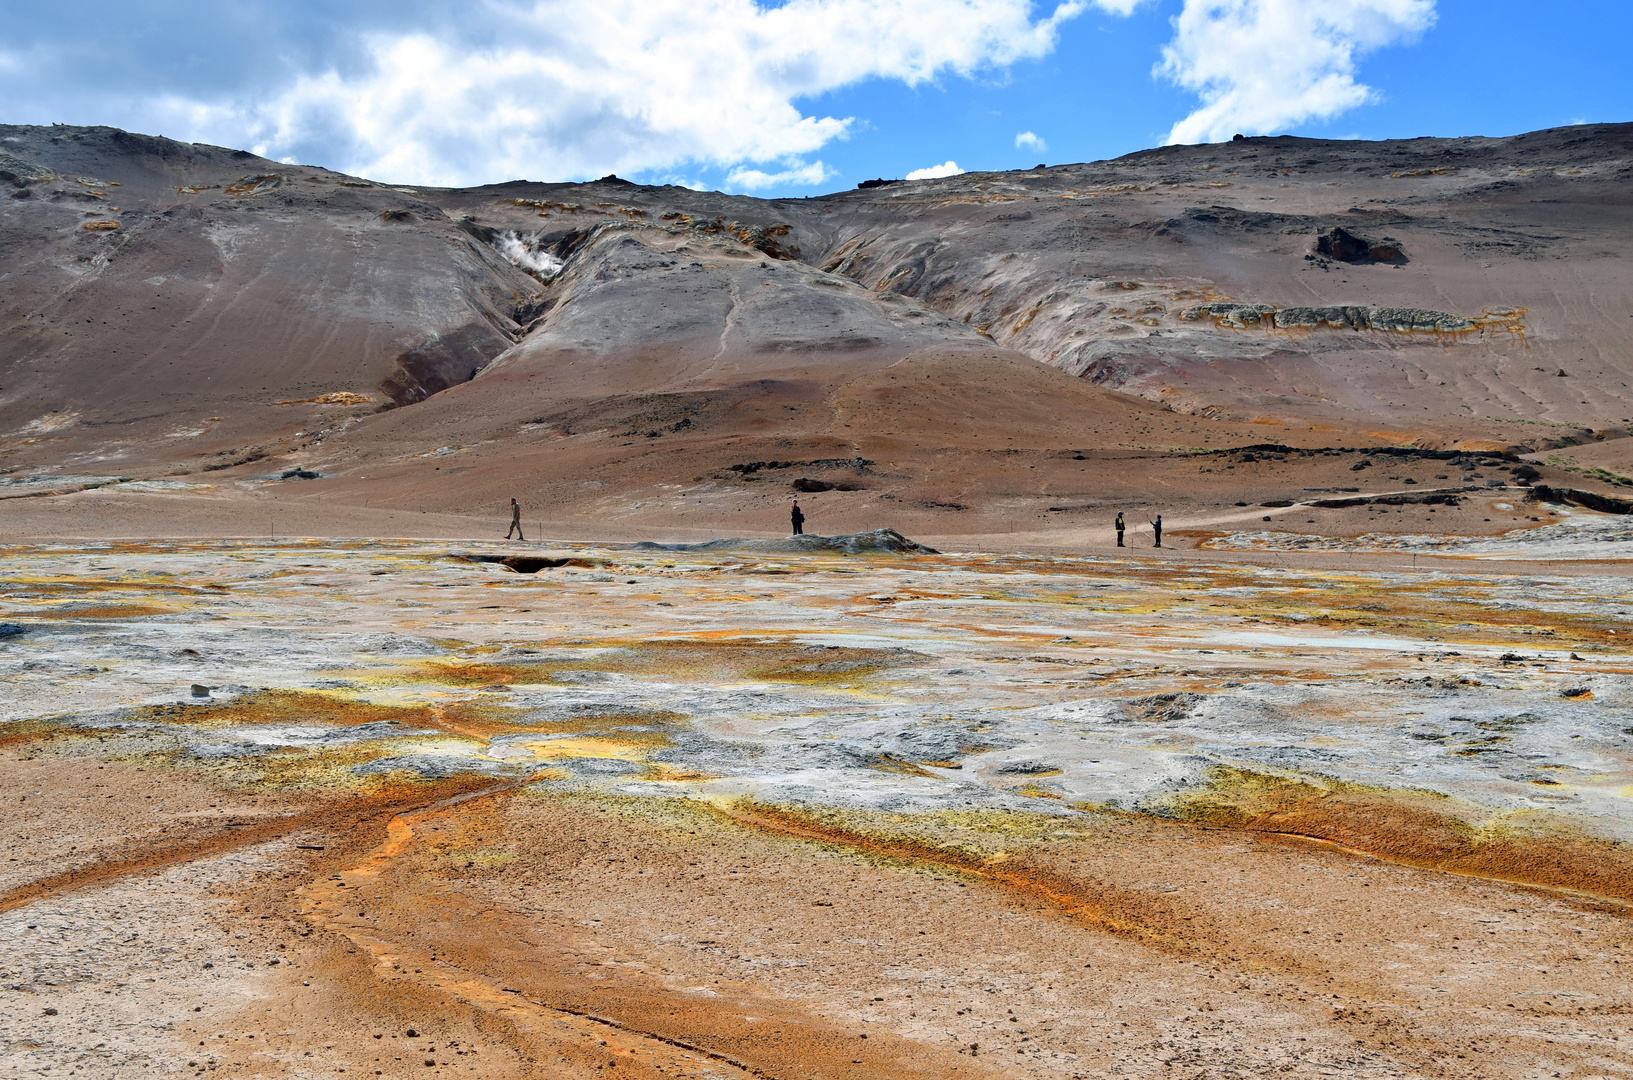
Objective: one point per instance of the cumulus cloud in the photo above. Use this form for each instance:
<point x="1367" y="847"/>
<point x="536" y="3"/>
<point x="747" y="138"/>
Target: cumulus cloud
<point x="936" y="172"/>
<point x="797" y="174"/>
<point x="559" y="89"/>
<point x="1264" y="65"/>
<point x="1026" y="140"/>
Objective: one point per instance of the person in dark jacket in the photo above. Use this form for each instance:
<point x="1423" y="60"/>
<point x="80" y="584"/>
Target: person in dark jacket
<point x="1119" y="529"/>
<point x="797" y="519"/>
<point x="1156" y="527"/>
<point x="515" y="521"/>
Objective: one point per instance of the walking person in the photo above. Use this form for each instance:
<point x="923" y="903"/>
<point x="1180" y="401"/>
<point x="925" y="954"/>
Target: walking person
<point x="1156" y="527"/>
<point x="515" y="521"/>
<point x="797" y="519"/>
<point x="1119" y="528"/>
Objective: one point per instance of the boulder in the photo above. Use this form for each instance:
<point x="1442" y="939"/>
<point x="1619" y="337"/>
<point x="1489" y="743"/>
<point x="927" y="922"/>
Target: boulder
<point x="1344" y="246"/>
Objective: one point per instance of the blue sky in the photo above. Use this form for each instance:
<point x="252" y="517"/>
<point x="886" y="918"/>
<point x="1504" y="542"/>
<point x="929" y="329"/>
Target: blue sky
<point x="800" y="96"/>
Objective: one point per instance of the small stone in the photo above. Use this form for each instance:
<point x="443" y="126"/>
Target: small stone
<point x="200" y="690"/>
<point x="50" y="1012"/>
<point x="412" y="1034"/>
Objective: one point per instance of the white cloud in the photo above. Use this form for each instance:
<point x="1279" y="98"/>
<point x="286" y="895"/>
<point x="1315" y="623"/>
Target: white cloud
<point x="936" y="172"/>
<point x="1263" y="65"/>
<point x="556" y="89"/>
<point x="1026" y="140"/>
<point x="798" y="174"/>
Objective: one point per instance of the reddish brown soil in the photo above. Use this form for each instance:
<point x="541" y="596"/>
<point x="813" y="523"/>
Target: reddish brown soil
<point x="520" y="934"/>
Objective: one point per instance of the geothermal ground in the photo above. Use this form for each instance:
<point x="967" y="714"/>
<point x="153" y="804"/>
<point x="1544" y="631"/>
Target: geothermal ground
<point x="300" y="779"/>
<point x="298" y="808"/>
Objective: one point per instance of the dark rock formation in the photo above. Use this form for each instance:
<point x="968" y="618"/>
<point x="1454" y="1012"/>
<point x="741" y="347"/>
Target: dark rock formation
<point x="1344" y="246"/>
<point x="1605" y="504"/>
<point x="443" y="361"/>
<point x="877" y="542"/>
<point x="803" y="484"/>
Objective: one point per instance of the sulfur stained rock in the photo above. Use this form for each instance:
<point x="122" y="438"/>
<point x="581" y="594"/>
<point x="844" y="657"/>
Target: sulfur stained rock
<point x="1409" y="319"/>
<point x="1229" y="313"/>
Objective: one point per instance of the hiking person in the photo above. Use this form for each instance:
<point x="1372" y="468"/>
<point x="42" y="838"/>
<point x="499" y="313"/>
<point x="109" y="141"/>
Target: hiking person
<point x="1119" y="528"/>
<point x="798" y="519"/>
<point x="515" y="521"/>
<point x="1156" y="527"/>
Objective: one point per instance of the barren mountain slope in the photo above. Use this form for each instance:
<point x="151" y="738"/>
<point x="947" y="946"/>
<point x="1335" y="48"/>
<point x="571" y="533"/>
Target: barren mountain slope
<point x="595" y="346"/>
<point x="149" y="285"/>
<point x="669" y="359"/>
<point x="1116" y="270"/>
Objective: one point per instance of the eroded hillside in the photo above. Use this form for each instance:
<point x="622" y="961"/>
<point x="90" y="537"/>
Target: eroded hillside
<point x="195" y="315"/>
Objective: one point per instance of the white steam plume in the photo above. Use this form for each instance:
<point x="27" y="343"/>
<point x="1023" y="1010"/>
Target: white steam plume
<point x="525" y="253"/>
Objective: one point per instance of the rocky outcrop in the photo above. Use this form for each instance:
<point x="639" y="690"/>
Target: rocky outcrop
<point x="806" y="484"/>
<point x="1593" y="500"/>
<point x="1402" y="320"/>
<point x="19" y="173"/>
<point x="1229" y="313"/>
<point x="1344" y="246"/>
<point x="877" y="542"/>
<point x="1372" y="318"/>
